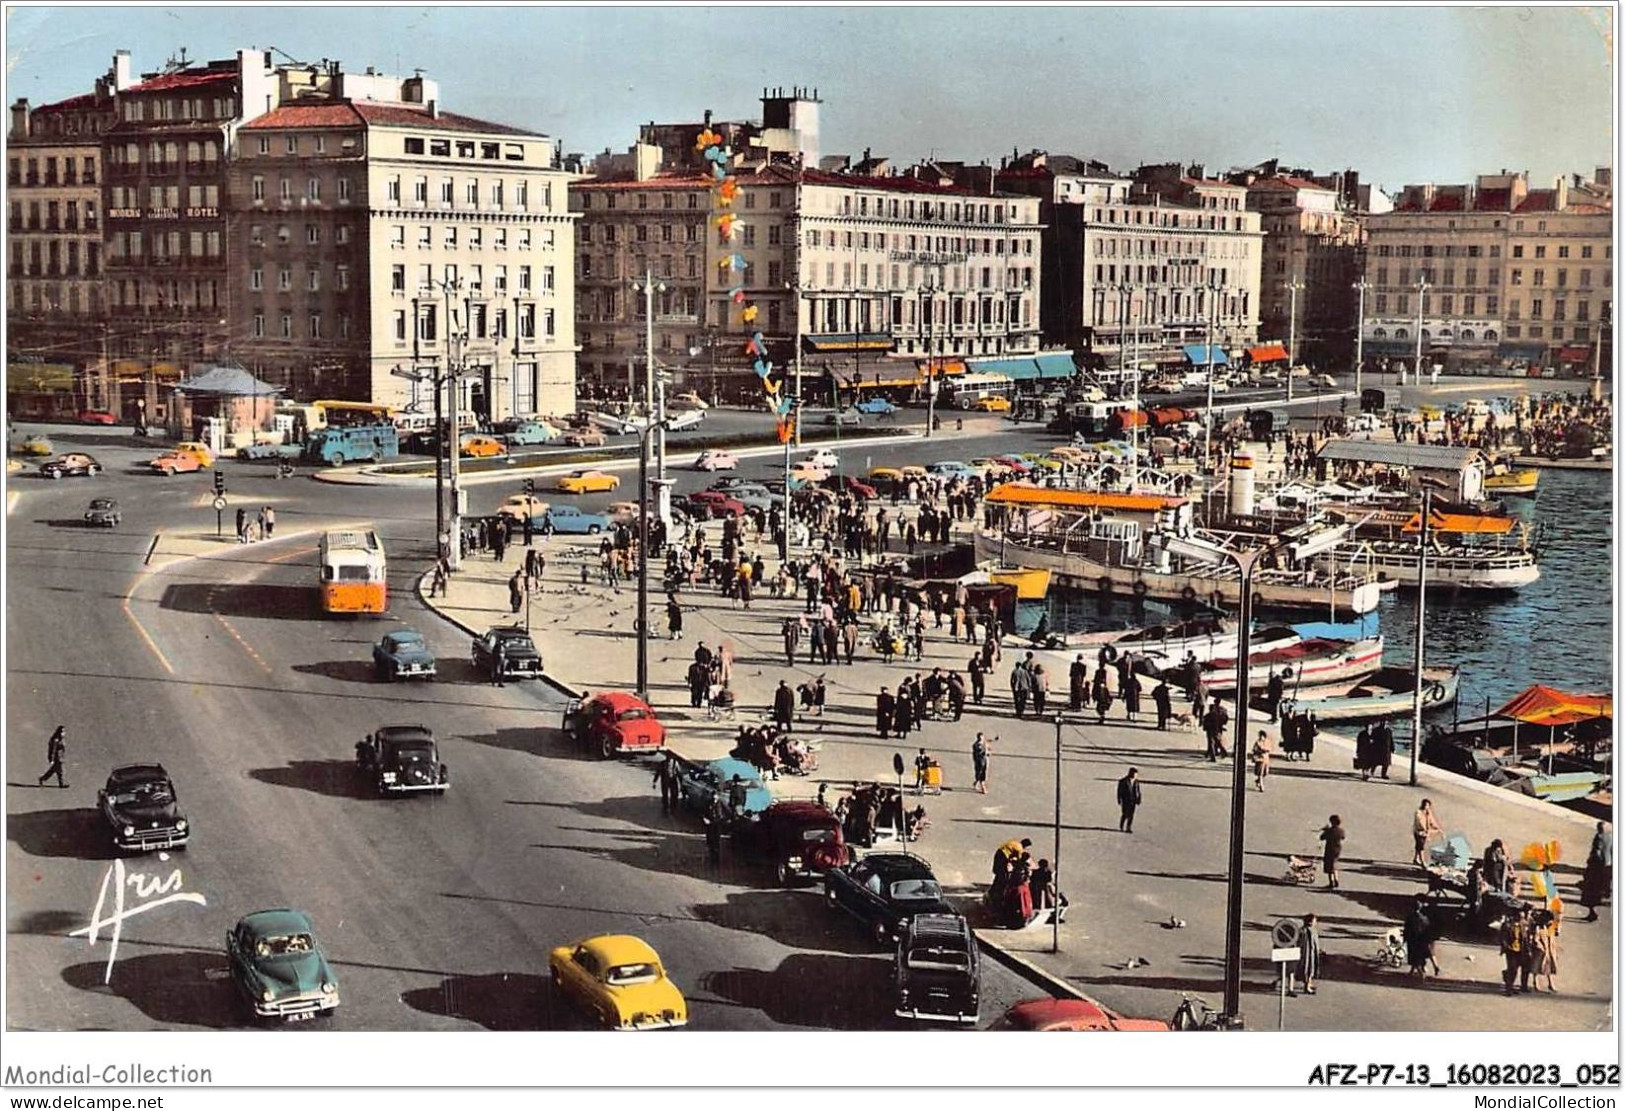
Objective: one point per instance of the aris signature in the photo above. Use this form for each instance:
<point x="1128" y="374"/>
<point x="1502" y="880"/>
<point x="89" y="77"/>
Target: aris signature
<point x="150" y="893"/>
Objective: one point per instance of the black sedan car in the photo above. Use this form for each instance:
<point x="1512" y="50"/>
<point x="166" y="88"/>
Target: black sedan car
<point x="140" y="808"/>
<point x="402" y="654"/>
<point x="883" y="891"/>
<point x="514" y="648"/>
<point x="103" y="513"/>
<point x="75" y="464"/>
<point x="402" y="759"/>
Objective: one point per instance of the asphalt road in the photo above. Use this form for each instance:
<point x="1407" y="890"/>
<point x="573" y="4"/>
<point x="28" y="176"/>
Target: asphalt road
<point x="436" y="913"/>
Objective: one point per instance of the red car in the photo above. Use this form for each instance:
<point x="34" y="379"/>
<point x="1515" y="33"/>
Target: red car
<point x="714" y="503"/>
<point x="615" y="723"/>
<point x="95" y="416"/>
<point x="1071" y="1014"/>
<point x="858" y="488"/>
<point x="801" y="838"/>
<point x="1013" y="463"/>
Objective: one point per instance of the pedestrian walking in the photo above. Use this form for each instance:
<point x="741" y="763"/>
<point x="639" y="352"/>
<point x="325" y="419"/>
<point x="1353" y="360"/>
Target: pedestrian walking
<point x="1040" y="685"/>
<point x="1424" y="827"/>
<point x="1598" y="879"/>
<point x="268" y="521"/>
<point x="437" y="583"/>
<point x="699" y="682"/>
<point x="979" y="753"/>
<point x="1333" y="835"/>
<point x="1383" y="739"/>
<point x="784" y="706"/>
<point x="242" y="525"/>
<point x="978" y="678"/>
<point x="1308" y="967"/>
<point x="1021" y="686"/>
<point x="1515" y="942"/>
<point x="1131" y="696"/>
<point x="1418" y="934"/>
<point x="714" y="818"/>
<point x="1541" y="954"/>
<point x="849" y="639"/>
<point x="674" y="617"/>
<point x="529" y="528"/>
<point x="1274" y="691"/>
<point x="499" y="664"/>
<point x="1128" y="800"/>
<point x="1078" y="682"/>
<point x="885" y="710"/>
<point x="55" y="750"/>
<point x="1103" y="696"/>
<point x="1261" y="758"/>
<point x="1163" y="698"/>
<point x="516" y="593"/>
<point x="666" y="780"/>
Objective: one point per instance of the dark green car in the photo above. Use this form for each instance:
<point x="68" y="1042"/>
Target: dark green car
<point x="279" y="967"/>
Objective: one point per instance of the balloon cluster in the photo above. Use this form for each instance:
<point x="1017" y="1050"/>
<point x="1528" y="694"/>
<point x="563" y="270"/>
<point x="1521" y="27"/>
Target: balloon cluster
<point x="724" y="188"/>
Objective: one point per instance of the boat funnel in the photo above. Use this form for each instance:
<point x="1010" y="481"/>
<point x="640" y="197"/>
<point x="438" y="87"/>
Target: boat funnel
<point x="1241" y="484"/>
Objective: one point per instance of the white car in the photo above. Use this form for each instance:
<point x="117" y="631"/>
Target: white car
<point x="1164" y="385"/>
<point x="1325" y="380"/>
<point x="716" y="461"/>
<point x="1300" y="371"/>
<point x="683" y="402"/>
<point x="1365" y="422"/>
<point x="824" y="458"/>
<point x="1476" y="407"/>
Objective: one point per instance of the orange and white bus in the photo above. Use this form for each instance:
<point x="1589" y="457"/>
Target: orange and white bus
<point x="353" y="572"/>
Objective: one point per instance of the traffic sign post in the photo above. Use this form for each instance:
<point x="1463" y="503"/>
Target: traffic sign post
<point x="219" y="510"/>
<point x="1284" y="953"/>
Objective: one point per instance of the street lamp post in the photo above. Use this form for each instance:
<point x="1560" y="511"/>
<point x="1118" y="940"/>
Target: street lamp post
<point x="1207" y="443"/>
<point x="1421" y="620"/>
<point x="1422" y="287"/>
<point x="641" y="625"/>
<point x="929" y="290"/>
<point x="1359" y="335"/>
<point x="1055" y="931"/>
<point x="1292" y="289"/>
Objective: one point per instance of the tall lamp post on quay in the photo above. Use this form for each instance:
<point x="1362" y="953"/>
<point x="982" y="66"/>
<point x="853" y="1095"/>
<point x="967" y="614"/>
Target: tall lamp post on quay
<point x="1359" y="334"/>
<point x="642" y="623"/>
<point x="1422" y="287"/>
<point x="928" y="296"/>
<point x="1293" y="287"/>
<point x="1245" y="562"/>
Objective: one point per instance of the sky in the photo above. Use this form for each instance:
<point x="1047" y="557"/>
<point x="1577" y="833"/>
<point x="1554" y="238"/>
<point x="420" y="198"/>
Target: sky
<point x="1399" y="94"/>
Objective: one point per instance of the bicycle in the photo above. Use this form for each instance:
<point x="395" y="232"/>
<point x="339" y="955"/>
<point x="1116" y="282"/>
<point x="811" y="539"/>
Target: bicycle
<point x="1194" y="1013"/>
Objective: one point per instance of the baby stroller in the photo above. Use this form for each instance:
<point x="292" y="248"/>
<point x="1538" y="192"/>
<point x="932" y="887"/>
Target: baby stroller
<point x="1392" y="952"/>
<point x="1300" y="870"/>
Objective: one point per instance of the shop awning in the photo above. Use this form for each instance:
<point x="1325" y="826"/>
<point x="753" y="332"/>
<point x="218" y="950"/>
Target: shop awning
<point x="1018" y="370"/>
<point x="1020" y="493"/>
<point x="1574" y="354"/>
<point x="1542" y="705"/>
<point x="1267" y="353"/>
<point x="846" y="341"/>
<point x="38" y="377"/>
<point x="1200" y="354"/>
<point x="1056" y="364"/>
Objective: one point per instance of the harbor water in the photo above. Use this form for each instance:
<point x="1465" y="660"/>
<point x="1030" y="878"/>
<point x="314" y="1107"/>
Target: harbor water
<point x="1557" y="631"/>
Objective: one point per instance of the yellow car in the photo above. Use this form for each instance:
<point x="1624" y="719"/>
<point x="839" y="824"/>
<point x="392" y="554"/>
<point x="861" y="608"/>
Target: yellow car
<point x="587" y="482"/>
<point x="918" y="473"/>
<point x="482" y="447"/>
<point x="1066" y="453"/>
<point x="619" y="980"/>
<point x="37" y="444"/>
<point x="991" y="405"/>
<point x="885" y="474"/>
<point x="1046" y="464"/>
<point x="197" y="450"/>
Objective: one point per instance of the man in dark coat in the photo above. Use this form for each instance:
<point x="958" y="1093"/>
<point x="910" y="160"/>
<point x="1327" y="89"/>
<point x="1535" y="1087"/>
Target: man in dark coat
<point x="978" y="679"/>
<point x="784" y="706"/>
<point x="1276" y="688"/>
<point x="1131" y="696"/>
<point x="699" y="679"/>
<point x="55" y="749"/>
<point x="1128" y="799"/>
<point x="1078" y="681"/>
<point x="1163" y="698"/>
<point x="1383" y="735"/>
<point x="1363" y="752"/>
<point x="885" y="708"/>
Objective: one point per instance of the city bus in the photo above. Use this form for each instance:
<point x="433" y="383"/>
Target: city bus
<point x="353" y="572"/>
<point x="344" y="414"/>
<point x="964" y="391"/>
<point x="338" y="444"/>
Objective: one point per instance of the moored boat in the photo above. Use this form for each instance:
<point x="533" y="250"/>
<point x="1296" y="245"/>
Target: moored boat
<point x="1386" y="693"/>
<point x="1503" y="479"/>
<point x="1309" y="664"/>
<point x="1031" y="583"/>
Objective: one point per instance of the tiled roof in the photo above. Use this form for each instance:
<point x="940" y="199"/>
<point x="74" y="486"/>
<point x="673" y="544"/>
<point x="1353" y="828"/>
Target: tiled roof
<point x="86" y="100"/>
<point x="411" y="115"/>
<point x="885" y="184"/>
<point x="1288" y="182"/>
<point x="1493" y="200"/>
<point x="1590" y="209"/>
<point x="1208" y="181"/>
<point x="1539" y="200"/>
<point x="1447" y="202"/>
<point x="375" y="114"/>
<point x="664" y="181"/>
<point x="326" y="114"/>
<point x="184" y="79"/>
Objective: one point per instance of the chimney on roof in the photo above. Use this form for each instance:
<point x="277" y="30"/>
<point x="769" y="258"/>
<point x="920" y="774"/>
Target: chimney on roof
<point x="1604" y="176"/>
<point x="707" y="118"/>
<point x="434" y="109"/>
<point x="19" y="119"/>
<point x="121" y="71"/>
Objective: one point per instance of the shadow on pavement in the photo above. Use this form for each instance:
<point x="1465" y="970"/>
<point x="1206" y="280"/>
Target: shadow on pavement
<point x="263" y="600"/>
<point x="68" y="522"/>
<point x="496" y="1001"/>
<point x="792" y="918"/>
<point x="547" y="740"/>
<point x="346" y="671"/>
<point x="179" y="989"/>
<point x="49" y="922"/>
<point x="651" y="851"/>
<point x="822" y="990"/>
<point x="79" y="833"/>
<point x="333" y="778"/>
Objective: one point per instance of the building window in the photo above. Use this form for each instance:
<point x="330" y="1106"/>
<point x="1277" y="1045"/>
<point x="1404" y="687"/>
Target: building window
<point x="315" y="325"/>
<point x="400" y="325"/>
<point x="313" y="280"/>
<point x="313" y="189"/>
<point x="286" y="189"/>
<point x="284" y="279"/>
<point x="1517" y="250"/>
<point x="420" y="190"/>
<point x="259" y="318"/>
<point x="393" y="190"/>
<point x="265" y="144"/>
<point x="344" y="190"/>
<point x="344" y="325"/>
<point x="287" y="325"/>
<point x="257" y="188"/>
<point x="343" y="277"/>
<point x="256" y="279"/>
<point x="313" y="234"/>
<point x="445" y="190"/>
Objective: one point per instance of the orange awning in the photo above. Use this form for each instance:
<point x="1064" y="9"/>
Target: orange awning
<point x="1541" y="705"/>
<point x="1021" y="493"/>
<point x="1267" y="353"/>
<point x="1461" y="522"/>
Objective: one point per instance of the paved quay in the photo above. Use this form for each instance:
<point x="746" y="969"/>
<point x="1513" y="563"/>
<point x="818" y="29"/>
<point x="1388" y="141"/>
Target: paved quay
<point x="1118" y="944"/>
